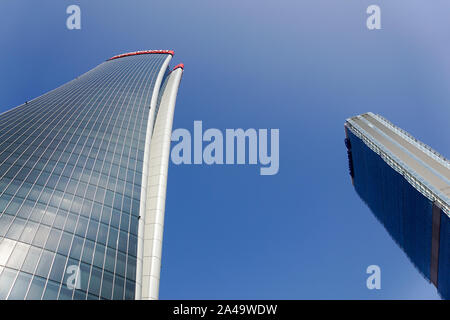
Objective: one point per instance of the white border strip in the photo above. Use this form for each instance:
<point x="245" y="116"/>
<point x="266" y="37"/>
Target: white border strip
<point x="156" y="188"/>
<point x="143" y="204"/>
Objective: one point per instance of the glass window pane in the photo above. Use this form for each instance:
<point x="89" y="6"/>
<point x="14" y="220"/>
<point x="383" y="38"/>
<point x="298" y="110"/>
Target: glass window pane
<point x="45" y="262"/>
<point x="77" y="246"/>
<point x="36" y="288"/>
<point x="123" y="241"/>
<point x="119" y="287"/>
<point x="16" y="228"/>
<point x="95" y="282"/>
<point x="132" y="246"/>
<point x="49" y="216"/>
<point x="6" y="248"/>
<point x="53" y="240"/>
<point x="37" y="213"/>
<point x="51" y="292"/>
<point x="121" y="264"/>
<point x="85" y="271"/>
<point x="58" y="268"/>
<point x="6" y="280"/>
<point x="29" y="232"/>
<point x="4" y="200"/>
<point x="26" y="209"/>
<point x="110" y="259"/>
<point x="115" y="218"/>
<point x="71" y="223"/>
<point x="64" y="244"/>
<point x="14" y="206"/>
<point x="112" y="239"/>
<point x="41" y="236"/>
<point x="5" y="221"/>
<point x="106" y="215"/>
<point x="131" y="269"/>
<point x="81" y="227"/>
<point x="88" y="251"/>
<point x="65" y="293"/>
<point x="99" y="255"/>
<point x="18" y="256"/>
<point x="130" y="290"/>
<point x="107" y="285"/>
<point x="92" y="230"/>
<point x="102" y="233"/>
<point x="20" y="287"/>
<point x="31" y="260"/>
<point x="60" y="219"/>
<point x="96" y="211"/>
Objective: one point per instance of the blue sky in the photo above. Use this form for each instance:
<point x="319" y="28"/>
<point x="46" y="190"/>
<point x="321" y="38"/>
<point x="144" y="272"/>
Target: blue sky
<point x="300" y="66"/>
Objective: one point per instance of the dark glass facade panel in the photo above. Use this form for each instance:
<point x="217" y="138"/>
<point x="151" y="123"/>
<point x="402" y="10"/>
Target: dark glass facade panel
<point x="71" y="163"/>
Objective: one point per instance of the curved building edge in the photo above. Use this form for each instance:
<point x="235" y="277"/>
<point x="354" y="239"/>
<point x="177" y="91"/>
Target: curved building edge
<point x="154" y="190"/>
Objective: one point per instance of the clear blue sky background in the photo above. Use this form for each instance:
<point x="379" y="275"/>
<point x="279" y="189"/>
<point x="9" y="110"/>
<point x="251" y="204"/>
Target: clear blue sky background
<point x="300" y="66"/>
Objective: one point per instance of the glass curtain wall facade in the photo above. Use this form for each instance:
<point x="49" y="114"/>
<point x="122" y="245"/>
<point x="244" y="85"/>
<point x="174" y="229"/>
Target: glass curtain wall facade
<point x="71" y="177"/>
<point x="406" y="185"/>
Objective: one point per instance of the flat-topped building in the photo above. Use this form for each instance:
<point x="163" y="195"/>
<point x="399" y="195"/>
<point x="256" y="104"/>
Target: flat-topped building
<point x="406" y="184"/>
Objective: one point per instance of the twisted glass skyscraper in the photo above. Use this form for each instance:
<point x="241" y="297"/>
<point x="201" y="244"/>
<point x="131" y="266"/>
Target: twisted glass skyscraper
<point x="83" y="172"/>
<point x="406" y="184"/>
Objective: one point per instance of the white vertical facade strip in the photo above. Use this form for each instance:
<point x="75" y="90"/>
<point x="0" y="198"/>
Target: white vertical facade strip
<point x="156" y="188"/>
<point x="145" y="174"/>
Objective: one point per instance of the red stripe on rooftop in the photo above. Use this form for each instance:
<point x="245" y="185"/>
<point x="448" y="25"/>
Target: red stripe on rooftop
<point x="179" y="66"/>
<point x="142" y="52"/>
